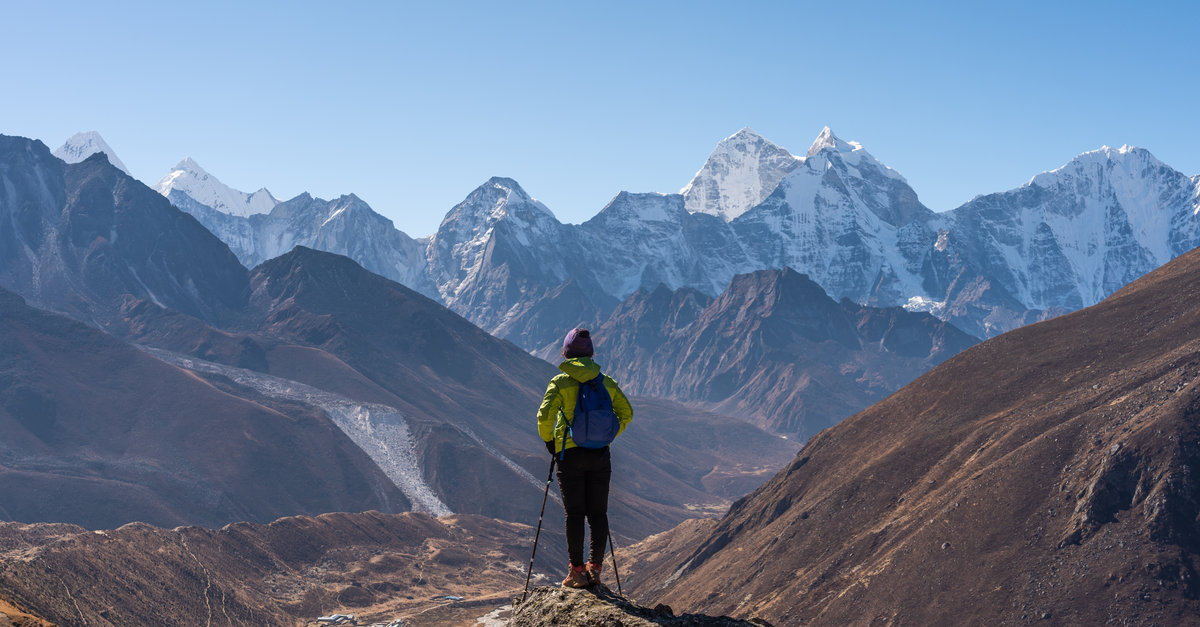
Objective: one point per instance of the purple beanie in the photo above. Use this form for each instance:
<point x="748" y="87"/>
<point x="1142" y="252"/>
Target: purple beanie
<point x="578" y="343"/>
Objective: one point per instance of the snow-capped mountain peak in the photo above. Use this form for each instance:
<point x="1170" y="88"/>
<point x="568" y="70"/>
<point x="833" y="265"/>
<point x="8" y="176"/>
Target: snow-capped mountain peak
<point x="80" y="146"/>
<point x="189" y="165"/>
<point x="187" y="177"/>
<point x="497" y="199"/>
<point x="850" y="152"/>
<point x="1131" y="159"/>
<point x="740" y="173"/>
<point x="827" y="139"/>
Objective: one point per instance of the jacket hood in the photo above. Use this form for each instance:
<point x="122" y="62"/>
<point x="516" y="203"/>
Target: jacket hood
<point x="580" y="368"/>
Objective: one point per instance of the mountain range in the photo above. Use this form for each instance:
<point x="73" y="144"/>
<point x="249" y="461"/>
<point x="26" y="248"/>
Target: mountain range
<point x="848" y="222"/>
<point x="1063" y="241"/>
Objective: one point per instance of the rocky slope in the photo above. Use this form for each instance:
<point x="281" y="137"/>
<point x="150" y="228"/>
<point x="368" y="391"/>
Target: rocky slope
<point x="1049" y="473"/>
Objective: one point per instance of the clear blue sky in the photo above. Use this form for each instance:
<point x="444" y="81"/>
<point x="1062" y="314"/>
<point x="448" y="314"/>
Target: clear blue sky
<point x="412" y="105"/>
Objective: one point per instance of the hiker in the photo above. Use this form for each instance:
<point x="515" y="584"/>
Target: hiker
<point x="583" y="472"/>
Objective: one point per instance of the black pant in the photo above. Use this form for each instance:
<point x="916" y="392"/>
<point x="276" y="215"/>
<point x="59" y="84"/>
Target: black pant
<point x="583" y="475"/>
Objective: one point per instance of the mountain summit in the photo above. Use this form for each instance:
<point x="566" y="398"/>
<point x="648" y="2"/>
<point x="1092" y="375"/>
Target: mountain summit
<point x="827" y="139"/>
<point x="80" y="146"/>
<point x="187" y="177"/>
<point x="742" y="170"/>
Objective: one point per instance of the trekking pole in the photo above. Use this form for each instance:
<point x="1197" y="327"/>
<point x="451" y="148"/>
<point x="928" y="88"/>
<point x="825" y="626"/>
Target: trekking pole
<point x="613" y="549"/>
<point x="528" y="573"/>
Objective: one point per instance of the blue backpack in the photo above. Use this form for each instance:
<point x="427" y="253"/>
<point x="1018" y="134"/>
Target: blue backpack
<point x="595" y="424"/>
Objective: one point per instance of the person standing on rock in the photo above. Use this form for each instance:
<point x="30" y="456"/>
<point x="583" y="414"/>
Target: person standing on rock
<point x="584" y="468"/>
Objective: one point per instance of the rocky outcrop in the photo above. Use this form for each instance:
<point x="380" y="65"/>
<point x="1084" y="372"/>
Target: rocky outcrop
<point x="598" y="605"/>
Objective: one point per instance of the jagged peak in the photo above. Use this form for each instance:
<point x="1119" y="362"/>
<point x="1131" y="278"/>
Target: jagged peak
<point x="507" y="184"/>
<point x="192" y="180"/>
<point x="746" y="133"/>
<point x="744" y="138"/>
<point x="485" y="202"/>
<point x="82" y="145"/>
<point x="827" y="139"/>
<point x="188" y="164"/>
<point x="739" y="173"/>
<point x="827" y="144"/>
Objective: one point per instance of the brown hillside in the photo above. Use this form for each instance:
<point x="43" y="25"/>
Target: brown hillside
<point x="1049" y="473"/>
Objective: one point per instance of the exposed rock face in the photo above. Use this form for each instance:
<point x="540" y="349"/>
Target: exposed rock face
<point x="375" y="566"/>
<point x="1049" y="473"/>
<point x="598" y="605"/>
<point x="773" y="348"/>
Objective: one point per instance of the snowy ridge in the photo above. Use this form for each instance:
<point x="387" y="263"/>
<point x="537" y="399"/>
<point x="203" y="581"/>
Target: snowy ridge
<point x="1074" y="235"/>
<point x="191" y="179"/>
<point x="80" y="146"/>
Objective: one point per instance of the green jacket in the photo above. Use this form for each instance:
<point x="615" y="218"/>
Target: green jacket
<point x="558" y="405"/>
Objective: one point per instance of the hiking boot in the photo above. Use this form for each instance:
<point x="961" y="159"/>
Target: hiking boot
<point x="593" y="572"/>
<point x="577" y="578"/>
